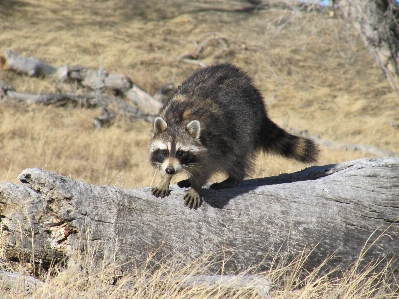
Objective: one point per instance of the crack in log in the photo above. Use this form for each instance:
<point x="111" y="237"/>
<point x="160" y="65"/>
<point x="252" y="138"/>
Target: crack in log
<point x="340" y="201"/>
<point x="102" y="221"/>
<point x="381" y="218"/>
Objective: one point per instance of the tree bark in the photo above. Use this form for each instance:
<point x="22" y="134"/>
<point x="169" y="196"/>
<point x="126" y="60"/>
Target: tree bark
<point x="377" y="22"/>
<point x="339" y="208"/>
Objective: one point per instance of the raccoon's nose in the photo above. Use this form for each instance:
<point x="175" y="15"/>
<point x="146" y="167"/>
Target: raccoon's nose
<point x="170" y="170"/>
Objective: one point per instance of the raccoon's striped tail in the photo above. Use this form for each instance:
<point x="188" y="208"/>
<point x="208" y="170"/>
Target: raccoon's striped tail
<point x="276" y="140"/>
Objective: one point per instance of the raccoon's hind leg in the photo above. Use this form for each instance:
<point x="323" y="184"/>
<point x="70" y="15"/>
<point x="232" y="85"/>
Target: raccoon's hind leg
<point x="230" y="182"/>
<point x="162" y="189"/>
<point x="237" y="171"/>
<point x="235" y="176"/>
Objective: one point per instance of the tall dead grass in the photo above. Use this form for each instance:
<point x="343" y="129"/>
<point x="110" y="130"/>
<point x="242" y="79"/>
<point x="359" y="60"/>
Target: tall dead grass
<point x="64" y="141"/>
<point x="86" y="278"/>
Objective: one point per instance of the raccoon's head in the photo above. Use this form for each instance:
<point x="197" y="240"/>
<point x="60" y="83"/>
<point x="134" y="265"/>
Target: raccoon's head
<point x="175" y="148"/>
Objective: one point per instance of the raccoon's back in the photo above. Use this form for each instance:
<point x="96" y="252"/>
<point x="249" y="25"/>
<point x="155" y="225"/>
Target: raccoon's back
<point x="233" y="115"/>
<point x="225" y="101"/>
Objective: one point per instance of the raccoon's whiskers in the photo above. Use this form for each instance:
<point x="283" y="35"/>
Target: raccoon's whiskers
<point x="193" y="165"/>
<point x="187" y="172"/>
<point x="153" y="177"/>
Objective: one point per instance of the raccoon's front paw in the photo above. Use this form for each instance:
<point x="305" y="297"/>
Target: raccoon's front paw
<point x="192" y="199"/>
<point x="160" y="192"/>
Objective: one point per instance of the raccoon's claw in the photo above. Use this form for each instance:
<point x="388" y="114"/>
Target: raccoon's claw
<point x="157" y="192"/>
<point x="192" y="199"/>
<point x="184" y="184"/>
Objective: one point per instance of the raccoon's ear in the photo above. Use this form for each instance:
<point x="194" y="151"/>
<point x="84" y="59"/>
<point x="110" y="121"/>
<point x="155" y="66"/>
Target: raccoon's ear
<point x="194" y="129"/>
<point x="159" y="126"/>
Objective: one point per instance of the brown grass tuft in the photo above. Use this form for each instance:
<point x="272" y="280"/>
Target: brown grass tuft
<point x="85" y="278"/>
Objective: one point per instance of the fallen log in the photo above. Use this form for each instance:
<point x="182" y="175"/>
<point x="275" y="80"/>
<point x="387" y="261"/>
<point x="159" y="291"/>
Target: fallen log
<point x="89" y="78"/>
<point x="10" y="280"/>
<point x="106" y="103"/>
<point x="341" y="209"/>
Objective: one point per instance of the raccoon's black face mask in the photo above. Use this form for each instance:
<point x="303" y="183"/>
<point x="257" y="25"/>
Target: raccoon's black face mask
<point x="173" y="148"/>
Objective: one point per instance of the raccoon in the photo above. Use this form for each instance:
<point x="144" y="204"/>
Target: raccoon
<point x="215" y="122"/>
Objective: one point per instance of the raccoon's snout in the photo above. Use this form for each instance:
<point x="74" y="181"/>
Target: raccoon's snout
<point x="170" y="170"/>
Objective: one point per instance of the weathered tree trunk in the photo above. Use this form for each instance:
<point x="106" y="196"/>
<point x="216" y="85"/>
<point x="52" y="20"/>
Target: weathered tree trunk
<point x="339" y="208"/>
<point x="378" y="24"/>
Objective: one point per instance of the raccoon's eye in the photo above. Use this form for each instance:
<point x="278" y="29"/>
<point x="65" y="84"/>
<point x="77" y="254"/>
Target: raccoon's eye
<point x="186" y="157"/>
<point x="164" y="153"/>
<point x="180" y="154"/>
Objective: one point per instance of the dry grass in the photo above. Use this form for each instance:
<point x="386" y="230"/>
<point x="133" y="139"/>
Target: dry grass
<point x="323" y="80"/>
<point x="85" y="278"/>
<point x="64" y="141"/>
